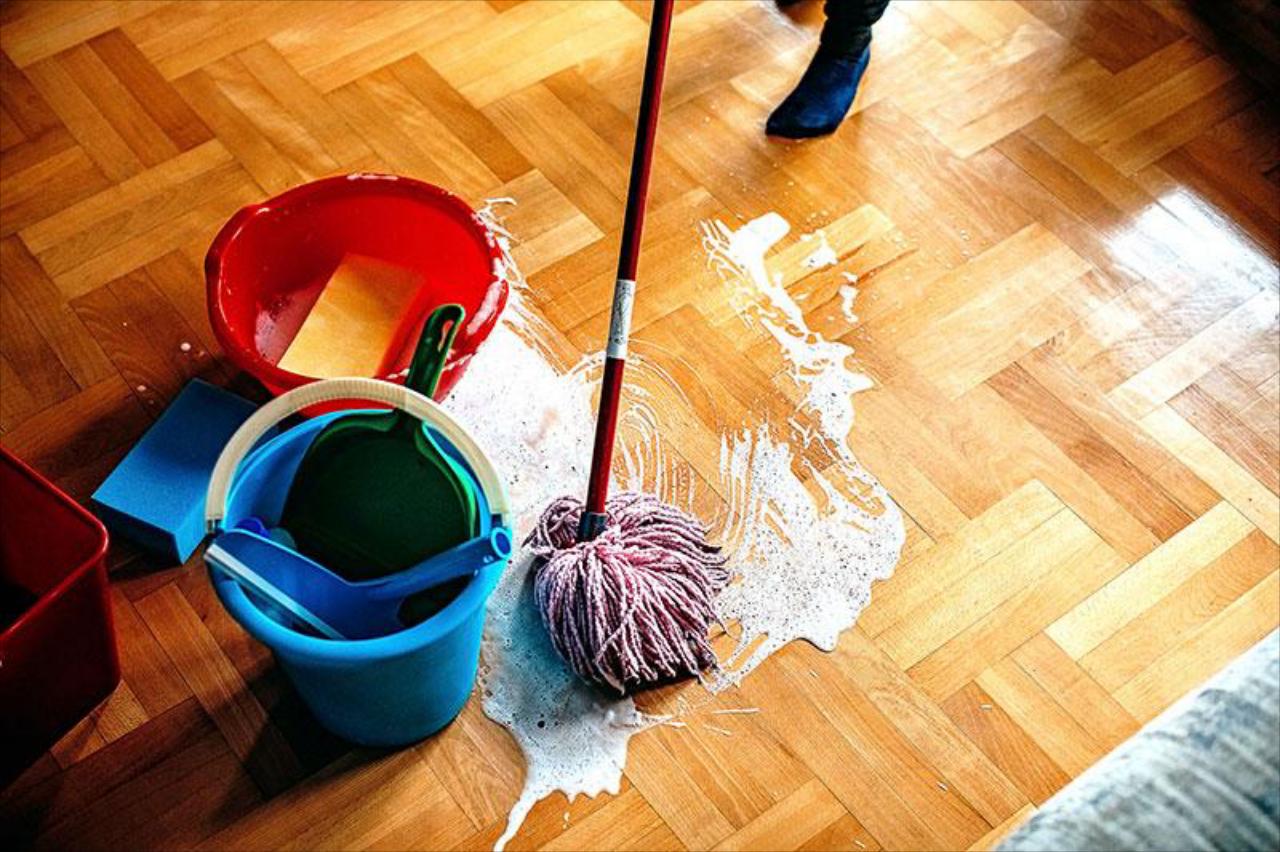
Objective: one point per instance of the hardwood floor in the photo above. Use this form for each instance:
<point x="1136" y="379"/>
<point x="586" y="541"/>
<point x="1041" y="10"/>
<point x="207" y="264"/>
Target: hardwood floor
<point x="1064" y="218"/>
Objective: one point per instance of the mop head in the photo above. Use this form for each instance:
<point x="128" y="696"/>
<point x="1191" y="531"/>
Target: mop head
<point x="632" y="607"/>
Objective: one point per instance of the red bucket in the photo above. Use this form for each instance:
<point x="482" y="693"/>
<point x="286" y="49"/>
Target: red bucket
<point x="270" y="262"/>
<point x="57" y="643"/>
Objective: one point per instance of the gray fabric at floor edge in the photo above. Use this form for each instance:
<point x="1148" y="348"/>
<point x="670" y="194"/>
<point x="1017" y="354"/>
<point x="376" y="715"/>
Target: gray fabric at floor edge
<point x="1203" y="775"/>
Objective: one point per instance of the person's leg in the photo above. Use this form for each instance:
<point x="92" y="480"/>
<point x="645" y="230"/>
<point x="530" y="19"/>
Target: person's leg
<point x="824" y="94"/>
<point x="848" y="27"/>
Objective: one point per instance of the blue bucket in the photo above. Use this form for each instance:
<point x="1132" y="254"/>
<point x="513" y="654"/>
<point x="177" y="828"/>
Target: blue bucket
<point x="387" y="691"/>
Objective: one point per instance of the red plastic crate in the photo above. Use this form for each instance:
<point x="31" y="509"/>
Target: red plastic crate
<point x="57" y="642"/>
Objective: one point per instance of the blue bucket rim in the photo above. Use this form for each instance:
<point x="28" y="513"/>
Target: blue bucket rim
<point x="339" y="652"/>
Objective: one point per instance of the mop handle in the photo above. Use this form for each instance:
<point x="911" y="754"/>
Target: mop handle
<point x="593" y="517"/>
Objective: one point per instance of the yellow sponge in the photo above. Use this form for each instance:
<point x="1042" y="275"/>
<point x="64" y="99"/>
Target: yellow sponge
<point x="358" y="316"/>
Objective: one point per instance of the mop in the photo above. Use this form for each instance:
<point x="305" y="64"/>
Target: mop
<point x="626" y="585"/>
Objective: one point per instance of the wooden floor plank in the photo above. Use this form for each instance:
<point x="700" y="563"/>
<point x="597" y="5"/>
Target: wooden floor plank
<point x="1203" y="651"/>
<point x="1110" y="608"/>
<point x="1202" y="596"/>
<point x="219" y="688"/>
<point x="789" y="823"/>
<point x="1005" y="742"/>
<point x="1216" y="468"/>
<point x="1037" y="712"/>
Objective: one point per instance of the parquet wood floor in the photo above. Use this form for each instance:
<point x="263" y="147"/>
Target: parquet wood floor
<point x="1064" y="219"/>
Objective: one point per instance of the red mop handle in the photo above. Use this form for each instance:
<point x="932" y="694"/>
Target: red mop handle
<point x="624" y="289"/>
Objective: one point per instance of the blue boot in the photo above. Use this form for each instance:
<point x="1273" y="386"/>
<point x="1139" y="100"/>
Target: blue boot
<point x="823" y="96"/>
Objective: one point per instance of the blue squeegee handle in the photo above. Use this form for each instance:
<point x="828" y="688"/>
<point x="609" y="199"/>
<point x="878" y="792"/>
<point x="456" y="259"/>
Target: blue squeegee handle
<point x="460" y="561"/>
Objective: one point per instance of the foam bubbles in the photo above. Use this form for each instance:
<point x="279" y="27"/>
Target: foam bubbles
<point x="806" y="542"/>
<point x="823" y="255"/>
<point x="806" y="562"/>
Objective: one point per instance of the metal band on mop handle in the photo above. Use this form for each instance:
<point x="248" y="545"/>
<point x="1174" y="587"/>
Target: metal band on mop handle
<point x="336" y="390"/>
<point x="624" y="296"/>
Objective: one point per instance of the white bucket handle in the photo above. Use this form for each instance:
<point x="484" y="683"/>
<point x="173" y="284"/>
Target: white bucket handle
<point x="331" y="390"/>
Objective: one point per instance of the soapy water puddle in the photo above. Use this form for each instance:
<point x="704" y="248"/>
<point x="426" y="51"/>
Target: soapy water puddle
<point x="807" y="529"/>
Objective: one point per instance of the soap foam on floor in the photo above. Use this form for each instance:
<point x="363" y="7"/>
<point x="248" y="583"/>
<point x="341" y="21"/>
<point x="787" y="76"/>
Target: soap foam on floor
<point x="823" y="255"/>
<point x="806" y="555"/>
<point x="848" y="293"/>
<point x="806" y="562"/>
<point x="818" y="365"/>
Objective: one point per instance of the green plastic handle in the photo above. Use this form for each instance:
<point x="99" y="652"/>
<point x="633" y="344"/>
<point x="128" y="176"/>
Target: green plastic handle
<point x="433" y="348"/>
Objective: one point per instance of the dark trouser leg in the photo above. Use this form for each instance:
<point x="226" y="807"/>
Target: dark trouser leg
<point x="848" y="27"/>
<point x="826" y="91"/>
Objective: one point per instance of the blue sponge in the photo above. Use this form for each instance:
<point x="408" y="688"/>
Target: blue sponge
<point x="155" y="496"/>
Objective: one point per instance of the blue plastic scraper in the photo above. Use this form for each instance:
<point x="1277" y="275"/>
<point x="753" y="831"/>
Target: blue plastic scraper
<point x="330" y="605"/>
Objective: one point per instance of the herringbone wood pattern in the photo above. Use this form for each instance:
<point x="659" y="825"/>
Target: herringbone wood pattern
<point x="1063" y="216"/>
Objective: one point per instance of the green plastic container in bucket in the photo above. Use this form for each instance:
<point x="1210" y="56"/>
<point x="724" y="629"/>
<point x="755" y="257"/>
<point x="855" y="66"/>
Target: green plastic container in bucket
<point x="391" y="690"/>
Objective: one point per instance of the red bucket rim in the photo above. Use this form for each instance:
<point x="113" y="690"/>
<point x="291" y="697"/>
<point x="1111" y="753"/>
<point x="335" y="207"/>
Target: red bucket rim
<point x="249" y="359"/>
